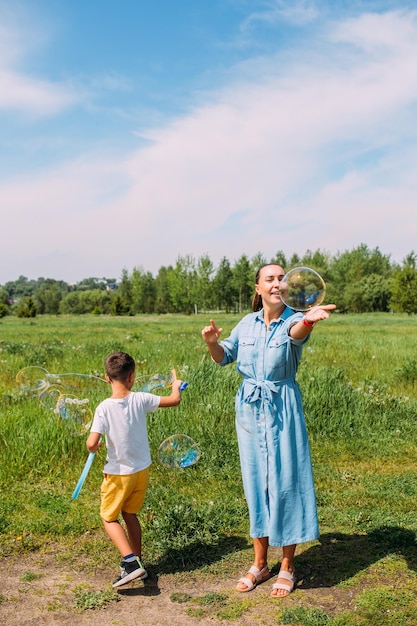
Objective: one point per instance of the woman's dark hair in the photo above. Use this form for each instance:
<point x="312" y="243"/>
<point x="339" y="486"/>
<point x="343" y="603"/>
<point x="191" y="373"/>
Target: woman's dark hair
<point x="119" y="366"/>
<point x="257" y="299"/>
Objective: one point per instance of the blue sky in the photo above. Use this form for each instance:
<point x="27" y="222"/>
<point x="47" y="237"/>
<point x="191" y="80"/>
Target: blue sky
<point x="132" y="133"/>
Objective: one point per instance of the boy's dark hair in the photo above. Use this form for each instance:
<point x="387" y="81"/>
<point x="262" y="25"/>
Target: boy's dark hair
<point x="119" y="366"/>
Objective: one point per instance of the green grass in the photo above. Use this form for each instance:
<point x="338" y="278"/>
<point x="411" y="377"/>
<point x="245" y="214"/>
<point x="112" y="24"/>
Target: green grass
<point x="358" y="377"/>
<point x="92" y="600"/>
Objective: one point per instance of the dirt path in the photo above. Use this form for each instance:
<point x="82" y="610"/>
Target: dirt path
<point x="38" y="589"/>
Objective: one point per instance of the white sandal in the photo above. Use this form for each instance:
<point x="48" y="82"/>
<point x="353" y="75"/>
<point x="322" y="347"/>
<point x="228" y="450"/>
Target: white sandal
<point x="257" y="574"/>
<point x="289" y="588"/>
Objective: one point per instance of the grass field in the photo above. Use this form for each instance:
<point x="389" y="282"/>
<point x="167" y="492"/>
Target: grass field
<point x="359" y="382"/>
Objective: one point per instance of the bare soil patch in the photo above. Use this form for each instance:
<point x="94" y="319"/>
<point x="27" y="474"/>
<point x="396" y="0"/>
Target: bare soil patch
<point x="36" y="589"/>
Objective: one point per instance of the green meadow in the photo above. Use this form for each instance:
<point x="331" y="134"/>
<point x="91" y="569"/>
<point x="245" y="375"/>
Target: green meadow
<point x="359" y="382"/>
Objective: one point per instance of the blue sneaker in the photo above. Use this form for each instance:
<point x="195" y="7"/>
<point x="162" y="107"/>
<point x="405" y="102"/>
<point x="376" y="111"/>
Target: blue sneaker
<point x="130" y="571"/>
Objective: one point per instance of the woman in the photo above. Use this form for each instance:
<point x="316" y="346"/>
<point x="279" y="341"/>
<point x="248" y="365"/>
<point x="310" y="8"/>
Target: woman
<point x="273" y="444"/>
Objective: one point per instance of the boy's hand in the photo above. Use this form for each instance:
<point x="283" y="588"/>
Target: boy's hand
<point x="175" y="396"/>
<point x="176" y="382"/>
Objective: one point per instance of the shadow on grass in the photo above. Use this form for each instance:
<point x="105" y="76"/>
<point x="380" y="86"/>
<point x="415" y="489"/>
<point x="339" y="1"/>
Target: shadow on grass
<point x="148" y="588"/>
<point x="197" y="554"/>
<point x="339" y="556"/>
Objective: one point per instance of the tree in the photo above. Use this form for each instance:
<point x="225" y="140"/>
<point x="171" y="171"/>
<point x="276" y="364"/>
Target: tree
<point x="26" y="307"/>
<point x="48" y="299"/>
<point x="118" y="306"/>
<point x="318" y="261"/>
<point x="224" y="290"/>
<point x="125" y="292"/>
<point x="204" y="282"/>
<point x="142" y="291"/>
<point x="256" y="263"/>
<point x="4" y="303"/>
<point x="163" y="300"/>
<point x="404" y="286"/>
<point x="295" y="261"/>
<point x="280" y="259"/>
<point x="136" y="288"/>
<point x="182" y="285"/>
<point x="148" y="293"/>
<point x="243" y="281"/>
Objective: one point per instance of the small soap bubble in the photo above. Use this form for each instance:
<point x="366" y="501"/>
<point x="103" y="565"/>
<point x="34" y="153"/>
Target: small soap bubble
<point x="178" y="451"/>
<point x="302" y="288"/>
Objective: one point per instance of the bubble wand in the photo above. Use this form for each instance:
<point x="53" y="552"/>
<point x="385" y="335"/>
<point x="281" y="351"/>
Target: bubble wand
<point x="83" y="476"/>
<point x="90" y="460"/>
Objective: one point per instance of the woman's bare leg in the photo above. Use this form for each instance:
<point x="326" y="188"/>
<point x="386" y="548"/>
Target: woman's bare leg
<point x="288" y="566"/>
<point x="261" y="556"/>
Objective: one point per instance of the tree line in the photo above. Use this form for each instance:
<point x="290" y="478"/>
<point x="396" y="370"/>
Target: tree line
<point x="358" y="281"/>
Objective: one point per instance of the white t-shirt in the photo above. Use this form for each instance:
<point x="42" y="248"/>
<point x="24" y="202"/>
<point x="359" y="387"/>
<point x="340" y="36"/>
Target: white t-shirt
<point x="123" y="421"/>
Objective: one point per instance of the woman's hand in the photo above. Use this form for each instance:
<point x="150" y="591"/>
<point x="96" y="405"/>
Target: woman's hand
<point x="318" y="313"/>
<point x="211" y="333"/>
<point x="301" y="329"/>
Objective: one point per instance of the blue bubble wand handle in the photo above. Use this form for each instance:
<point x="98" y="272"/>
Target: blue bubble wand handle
<point x="83" y="476"/>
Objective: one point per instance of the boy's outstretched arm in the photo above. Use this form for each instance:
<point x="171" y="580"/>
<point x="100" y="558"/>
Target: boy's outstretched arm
<point x="175" y="396"/>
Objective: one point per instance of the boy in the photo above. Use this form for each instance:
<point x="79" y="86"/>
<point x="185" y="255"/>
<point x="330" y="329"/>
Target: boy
<point x="122" y="418"/>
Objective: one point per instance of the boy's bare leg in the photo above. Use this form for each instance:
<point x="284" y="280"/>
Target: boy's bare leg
<point x="118" y="536"/>
<point x="134" y="532"/>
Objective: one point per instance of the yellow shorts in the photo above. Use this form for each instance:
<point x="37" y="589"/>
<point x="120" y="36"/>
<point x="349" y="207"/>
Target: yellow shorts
<point x="123" y="493"/>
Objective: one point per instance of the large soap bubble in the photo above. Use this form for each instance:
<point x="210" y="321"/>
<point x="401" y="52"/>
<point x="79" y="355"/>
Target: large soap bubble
<point x="302" y="288"/>
<point x="148" y="384"/>
<point x="178" y="451"/>
<point x="66" y="396"/>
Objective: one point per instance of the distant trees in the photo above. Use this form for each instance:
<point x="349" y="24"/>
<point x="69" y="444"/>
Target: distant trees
<point x="357" y="280"/>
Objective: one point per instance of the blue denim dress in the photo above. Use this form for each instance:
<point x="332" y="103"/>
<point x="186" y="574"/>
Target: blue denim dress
<point x="273" y="443"/>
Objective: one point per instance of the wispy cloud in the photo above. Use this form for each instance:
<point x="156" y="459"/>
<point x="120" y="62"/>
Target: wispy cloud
<point x="20" y="91"/>
<point x="32" y="96"/>
<point x="273" y="11"/>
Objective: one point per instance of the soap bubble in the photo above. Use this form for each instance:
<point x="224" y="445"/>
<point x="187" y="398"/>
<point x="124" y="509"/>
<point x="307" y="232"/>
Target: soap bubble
<point x="76" y="413"/>
<point x="49" y="397"/>
<point x="65" y="395"/>
<point x="148" y="384"/>
<point x="302" y="288"/>
<point x="33" y="379"/>
<point x="178" y="451"/>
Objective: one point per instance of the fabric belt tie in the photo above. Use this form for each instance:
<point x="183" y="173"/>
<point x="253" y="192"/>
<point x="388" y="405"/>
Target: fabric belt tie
<point x="254" y="390"/>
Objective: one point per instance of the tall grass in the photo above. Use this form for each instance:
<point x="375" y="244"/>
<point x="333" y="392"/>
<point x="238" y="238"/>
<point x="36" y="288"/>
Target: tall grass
<point x="358" y="378"/>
